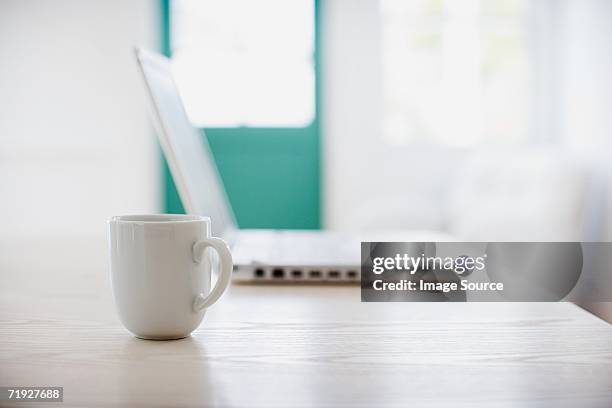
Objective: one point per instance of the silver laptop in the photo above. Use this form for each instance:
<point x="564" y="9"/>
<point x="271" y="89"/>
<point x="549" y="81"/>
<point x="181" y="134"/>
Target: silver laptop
<point x="259" y="255"/>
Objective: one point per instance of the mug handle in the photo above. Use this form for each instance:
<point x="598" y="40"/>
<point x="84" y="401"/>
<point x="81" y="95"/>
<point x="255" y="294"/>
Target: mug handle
<point x="225" y="270"/>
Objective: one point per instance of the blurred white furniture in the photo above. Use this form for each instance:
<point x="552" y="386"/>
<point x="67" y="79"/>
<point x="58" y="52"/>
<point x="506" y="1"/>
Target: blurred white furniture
<point x="492" y="195"/>
<point x="526" y="195"/>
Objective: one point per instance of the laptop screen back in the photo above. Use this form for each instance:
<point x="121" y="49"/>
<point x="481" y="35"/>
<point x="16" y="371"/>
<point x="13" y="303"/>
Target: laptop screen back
<point x="185" y="147"/>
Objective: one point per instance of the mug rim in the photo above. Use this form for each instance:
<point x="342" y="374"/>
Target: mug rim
<point x="157" y="218"/>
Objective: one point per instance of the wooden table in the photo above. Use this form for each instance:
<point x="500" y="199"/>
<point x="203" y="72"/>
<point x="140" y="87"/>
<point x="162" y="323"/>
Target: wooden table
<point x="290" y="346"/>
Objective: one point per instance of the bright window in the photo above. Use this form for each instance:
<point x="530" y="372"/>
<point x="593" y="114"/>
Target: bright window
<point x="244" y="62"/>
<point x="455" y="72"/>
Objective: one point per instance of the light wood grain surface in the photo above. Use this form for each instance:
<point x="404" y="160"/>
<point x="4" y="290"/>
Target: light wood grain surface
<point x="290" y="346"/>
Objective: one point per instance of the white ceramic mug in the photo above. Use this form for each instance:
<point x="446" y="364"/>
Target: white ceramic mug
<point x="161" y="272"/>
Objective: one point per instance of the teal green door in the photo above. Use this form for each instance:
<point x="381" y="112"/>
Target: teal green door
<point x="271" y="175"/>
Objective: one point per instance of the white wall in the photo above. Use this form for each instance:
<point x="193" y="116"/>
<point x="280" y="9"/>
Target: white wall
<point x="364" y="173"/>
<point x="75" y="141"/>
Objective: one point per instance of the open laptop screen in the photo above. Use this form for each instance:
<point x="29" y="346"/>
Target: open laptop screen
<point x="186" y="150"/>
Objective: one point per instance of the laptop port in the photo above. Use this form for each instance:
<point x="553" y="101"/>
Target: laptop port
<point x="296" y="273"/>
<point x="351" y="274"/>
<point x="333" y="274"/>
<point x="315" y="274"/>
<point x="259" y="273"/>
<point x="278" y="273"/>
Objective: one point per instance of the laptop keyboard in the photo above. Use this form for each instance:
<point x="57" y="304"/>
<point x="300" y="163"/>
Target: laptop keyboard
<point x="296" y="248"/>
